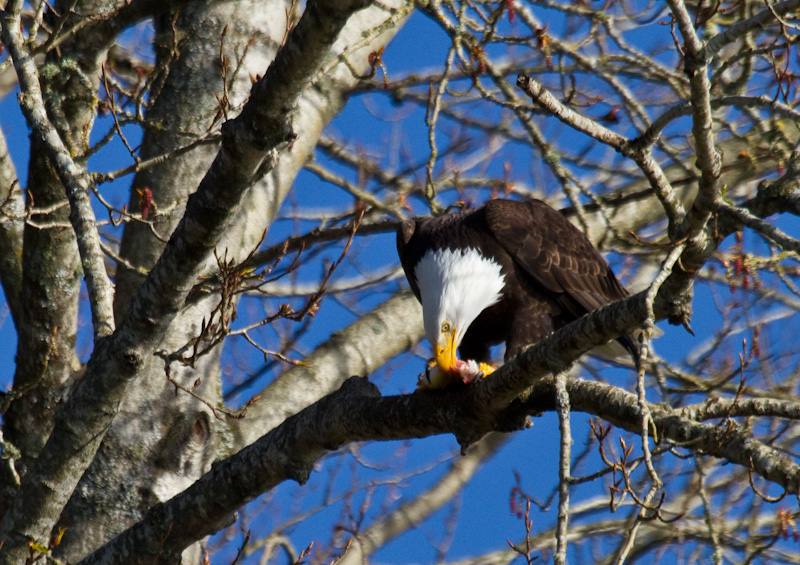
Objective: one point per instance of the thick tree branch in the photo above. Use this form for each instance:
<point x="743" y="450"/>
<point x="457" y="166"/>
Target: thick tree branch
<point x="731" y="408"/>
<point x="250" y="147"/>
<point x="357" y="412"/>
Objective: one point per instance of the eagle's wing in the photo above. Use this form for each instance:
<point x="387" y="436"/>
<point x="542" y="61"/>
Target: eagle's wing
<point x="556" y="255"/>
<point x="407" y="253"/>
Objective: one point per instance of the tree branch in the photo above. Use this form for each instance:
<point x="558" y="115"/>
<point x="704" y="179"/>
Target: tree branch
<point x="731" y="408"/>
<point x="739" y="29"/>
<point x="730" y="442"/>
<point x="708" y="159"/>
<point x="74" y="178"/>
<point x="357" y="412"/>
<point x="12" y="219"/>
<point x="745" y="218"/>
<point x="564" y="467"/>
<point x="250" y="147"/>
<point x="361" y="348"/>
<point x="640" y="154"/>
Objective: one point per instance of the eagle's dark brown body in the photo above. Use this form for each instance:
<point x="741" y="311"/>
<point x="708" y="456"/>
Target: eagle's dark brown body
<point x="553" y="274"/>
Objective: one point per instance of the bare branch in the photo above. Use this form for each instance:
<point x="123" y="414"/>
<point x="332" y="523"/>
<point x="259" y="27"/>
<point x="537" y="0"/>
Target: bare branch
<point x="73" y="177"/>
<point x="739" y="29"/>
<point x="641" y="155"/>
<point x="708" y="159"/>
<point x="564" y="465"/>
<point x="11" y="226"/>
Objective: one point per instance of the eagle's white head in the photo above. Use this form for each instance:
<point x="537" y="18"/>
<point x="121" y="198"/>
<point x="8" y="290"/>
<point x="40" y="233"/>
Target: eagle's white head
<point x="455" y="286"/>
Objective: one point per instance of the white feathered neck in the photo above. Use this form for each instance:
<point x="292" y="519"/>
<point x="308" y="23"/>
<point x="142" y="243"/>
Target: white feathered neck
<point x="455" y="286"/>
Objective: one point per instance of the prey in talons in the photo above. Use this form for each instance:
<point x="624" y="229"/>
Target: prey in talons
<point x="467" y="372"/>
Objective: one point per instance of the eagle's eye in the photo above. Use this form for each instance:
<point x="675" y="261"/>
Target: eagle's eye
<point x="445" y="327"/>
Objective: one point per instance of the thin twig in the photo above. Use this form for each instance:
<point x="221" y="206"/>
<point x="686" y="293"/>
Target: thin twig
<point x="640" y="154"/>
<point x="565" y="456"/>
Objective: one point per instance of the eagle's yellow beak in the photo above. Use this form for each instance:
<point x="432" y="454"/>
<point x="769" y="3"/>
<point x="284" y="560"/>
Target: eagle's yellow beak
<point x="445" y="355"/>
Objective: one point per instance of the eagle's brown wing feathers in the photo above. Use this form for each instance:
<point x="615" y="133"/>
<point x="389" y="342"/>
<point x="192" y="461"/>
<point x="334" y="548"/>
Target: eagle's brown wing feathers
<point x="557" y="256"/>
<point x="553" y="252"/>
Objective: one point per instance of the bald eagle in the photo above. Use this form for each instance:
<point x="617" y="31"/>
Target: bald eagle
<point x="506" y="272"/>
